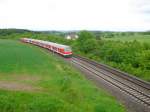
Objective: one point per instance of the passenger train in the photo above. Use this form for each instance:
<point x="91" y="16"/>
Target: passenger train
<point x="63" y="50"/>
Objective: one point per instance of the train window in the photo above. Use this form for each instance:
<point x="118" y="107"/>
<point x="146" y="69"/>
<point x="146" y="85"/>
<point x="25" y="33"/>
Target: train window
<point x="61" y="50"/>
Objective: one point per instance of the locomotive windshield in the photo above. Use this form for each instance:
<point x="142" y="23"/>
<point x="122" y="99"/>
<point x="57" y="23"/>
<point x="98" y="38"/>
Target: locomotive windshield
<point x="68" y="49"/>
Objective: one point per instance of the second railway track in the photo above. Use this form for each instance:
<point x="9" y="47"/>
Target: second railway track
<point x="136" y="88"/>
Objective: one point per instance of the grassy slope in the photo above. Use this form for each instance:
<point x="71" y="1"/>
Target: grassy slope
<point x="140" y="38"/>
<point x="59" y="88"/>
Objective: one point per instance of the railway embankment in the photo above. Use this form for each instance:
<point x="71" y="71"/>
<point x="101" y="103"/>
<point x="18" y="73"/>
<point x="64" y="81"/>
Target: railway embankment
<point x="133" y="92"/>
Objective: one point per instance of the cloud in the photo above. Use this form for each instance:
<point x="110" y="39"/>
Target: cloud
<point x="143" y="10"/>
<point x="143" y="6"/>
<point x="73" y="14"/>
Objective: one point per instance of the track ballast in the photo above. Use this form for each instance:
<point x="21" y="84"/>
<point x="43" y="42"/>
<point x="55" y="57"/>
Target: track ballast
<point x="136" y="88"/>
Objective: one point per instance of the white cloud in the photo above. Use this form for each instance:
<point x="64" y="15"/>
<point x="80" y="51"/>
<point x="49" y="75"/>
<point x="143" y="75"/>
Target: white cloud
<point x="73" y="14"/>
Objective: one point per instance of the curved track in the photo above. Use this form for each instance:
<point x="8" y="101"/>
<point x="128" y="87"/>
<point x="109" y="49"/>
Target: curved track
<point x="136" y="88"/>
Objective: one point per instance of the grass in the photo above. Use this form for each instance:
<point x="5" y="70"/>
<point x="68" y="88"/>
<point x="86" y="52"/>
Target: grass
<point x="33" y="80"/>
<point x="140" y="38"/>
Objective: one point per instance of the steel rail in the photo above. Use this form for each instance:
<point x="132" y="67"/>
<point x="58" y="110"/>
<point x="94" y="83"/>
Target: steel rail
<point x="142" y="97"/>
<point x="111" y="76"/>
<point x="128" y="77"/>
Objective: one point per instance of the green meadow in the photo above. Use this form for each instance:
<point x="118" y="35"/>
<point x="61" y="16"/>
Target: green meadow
<point x="34" y="80"/>
<point x="140" y="38"/>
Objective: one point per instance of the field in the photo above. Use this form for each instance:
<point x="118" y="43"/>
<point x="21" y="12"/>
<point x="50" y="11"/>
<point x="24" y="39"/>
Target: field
<point x="33" y="80"/>
<point x="140" y="38"/>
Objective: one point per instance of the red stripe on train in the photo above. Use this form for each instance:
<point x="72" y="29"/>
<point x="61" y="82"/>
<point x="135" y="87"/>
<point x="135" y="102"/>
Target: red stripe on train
<point x="67" y="53"/>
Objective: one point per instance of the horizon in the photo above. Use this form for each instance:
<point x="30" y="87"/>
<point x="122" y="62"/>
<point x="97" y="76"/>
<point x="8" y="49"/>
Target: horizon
<point x="69" y="30"/>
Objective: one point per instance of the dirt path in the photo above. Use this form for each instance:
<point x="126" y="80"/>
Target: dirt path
<point x="16" y="86"/>
<point x="19" y="83"/>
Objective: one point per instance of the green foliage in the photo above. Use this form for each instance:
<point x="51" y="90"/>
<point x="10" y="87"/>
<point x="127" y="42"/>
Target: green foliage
<point x="85" y="35"/>
<point x="18" y="33"/>
<point x="130" y="56"/>
<point x="86" y="42"/>
<point x="28" y="102"/>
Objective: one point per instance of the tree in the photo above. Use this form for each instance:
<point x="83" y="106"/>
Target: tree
<point x="87" y="42"/>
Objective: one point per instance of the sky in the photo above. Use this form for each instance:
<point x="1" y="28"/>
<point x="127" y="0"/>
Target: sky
<point x="111" y="15"/>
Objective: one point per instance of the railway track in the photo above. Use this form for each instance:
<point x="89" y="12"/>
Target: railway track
<point x="136" y="88"/>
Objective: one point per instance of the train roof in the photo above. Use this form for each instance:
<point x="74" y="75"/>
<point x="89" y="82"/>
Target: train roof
<point x="49" y="43"/>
